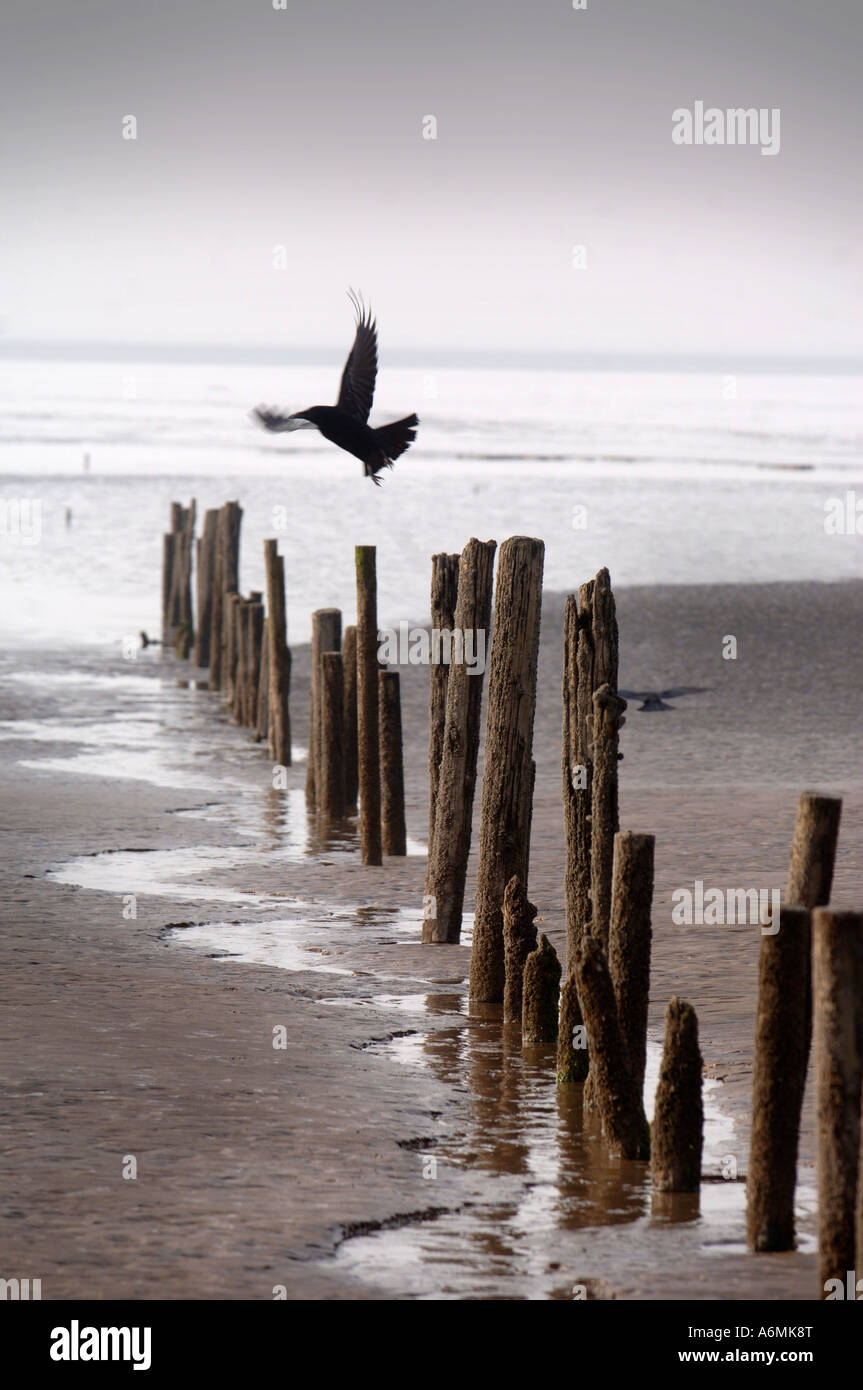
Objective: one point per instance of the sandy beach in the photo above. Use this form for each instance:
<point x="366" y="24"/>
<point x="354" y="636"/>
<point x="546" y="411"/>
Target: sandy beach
<point x="306" y="1167"/>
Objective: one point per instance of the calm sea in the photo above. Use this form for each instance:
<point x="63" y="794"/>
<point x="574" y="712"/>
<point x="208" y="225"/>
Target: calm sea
<point x="671" y="478"/>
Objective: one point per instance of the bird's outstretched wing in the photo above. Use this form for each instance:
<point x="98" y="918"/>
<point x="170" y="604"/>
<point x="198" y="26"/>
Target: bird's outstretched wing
<point x="636" y="694"/>
<point x="271" y="419"/>
<point x="358" y="378"/>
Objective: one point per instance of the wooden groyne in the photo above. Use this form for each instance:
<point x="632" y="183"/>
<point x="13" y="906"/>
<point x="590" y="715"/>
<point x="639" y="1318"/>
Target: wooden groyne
<point x="587" y="1023"/>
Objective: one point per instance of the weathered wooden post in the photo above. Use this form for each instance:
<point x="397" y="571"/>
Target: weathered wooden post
<point x="813" y="850"/>
<point x="630" y="941"/>
<point x="519" y="939"/>
<point x="367" y="705"/>
<point x="262" y="720"/>
<point x="779" y="1078"/>
<point x="240" y="638"/>
<point x="169" y="541"/>
<point x="837" y="988"/>
<point x="810" y="871"/>
<point x="541" y="993"/>
<point x="278" y="658"/>
<point x="254" y="638"/>
<point x="572" y="1060"/>
<point x="231" y="645"/>
<point x="175" y="583"/>
<point x="446" y="869"/>
<point x="349" y="720"/>
<point x="608" y="709"/>
<point x="393" y="830"/>
<point x="617" y="1095"/>
<point x="678" y="1123"/>
<point x="186" y="635"/>
<point x="590" y="661"/>
<point x="504" y="847"/>
<point x="226" y="580"/>
<point x="326" y="637"/>
<point x="444" y="589"/>
<point x="331" y="767"/>
<point x="206" y="557"/>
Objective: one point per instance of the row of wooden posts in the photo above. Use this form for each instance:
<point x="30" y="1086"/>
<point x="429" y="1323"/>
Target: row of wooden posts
<point x="810" y="969"/>
<point x="595" y="1011"/>
<point x="355" y="733"/>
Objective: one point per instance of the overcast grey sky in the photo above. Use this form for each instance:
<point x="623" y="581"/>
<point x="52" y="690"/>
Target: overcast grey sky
<point x="304" y="128"/>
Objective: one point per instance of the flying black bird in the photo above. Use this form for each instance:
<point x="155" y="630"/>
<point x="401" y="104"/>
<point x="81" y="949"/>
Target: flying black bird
<point x="345" y="423"/>
<point x="655" y="699"/>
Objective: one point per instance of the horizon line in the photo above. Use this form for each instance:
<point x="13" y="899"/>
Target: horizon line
<point x="494" y="358"/>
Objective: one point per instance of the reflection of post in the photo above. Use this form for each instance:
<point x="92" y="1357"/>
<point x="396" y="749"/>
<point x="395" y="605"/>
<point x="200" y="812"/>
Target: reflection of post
<point x="393" y="831"/>
<point x="367" y="705"/>
<point x="678" y="1121"/>
<point x="779" y="1078"/>
<point x="331" y="799"/>
<point x="446" y="869"/>
<point x="837" y="988"/>
<point x="504" y="835"/>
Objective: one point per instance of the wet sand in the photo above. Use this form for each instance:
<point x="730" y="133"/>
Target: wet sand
<point x="260" y="1167"/>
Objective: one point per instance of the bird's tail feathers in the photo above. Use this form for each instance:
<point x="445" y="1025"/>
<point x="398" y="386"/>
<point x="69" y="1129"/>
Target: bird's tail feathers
<point x="398" y="436"/>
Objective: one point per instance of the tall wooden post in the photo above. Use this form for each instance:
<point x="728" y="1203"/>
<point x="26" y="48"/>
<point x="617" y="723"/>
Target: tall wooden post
<point x="449" y="848"/>
<point x="504" y="847"/>
<point x="205" y="581"/>
<point x="367" y="705"/>
<point x="186" y="635"/>
<point x="779" y="1078"/>
<point x="444" y="589"/>
<point x="837" y="988"/>
<point x="326" y="637"/>
<point x="226" y="581"/>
